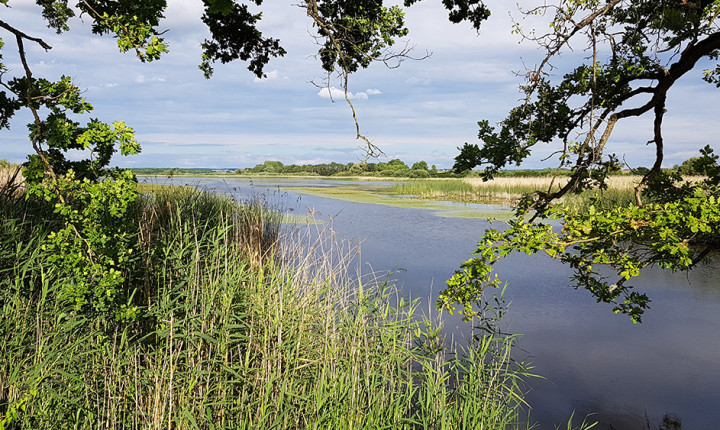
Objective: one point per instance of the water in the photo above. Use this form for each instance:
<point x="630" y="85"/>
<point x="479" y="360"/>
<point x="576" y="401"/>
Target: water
<point x="593" y="361"/>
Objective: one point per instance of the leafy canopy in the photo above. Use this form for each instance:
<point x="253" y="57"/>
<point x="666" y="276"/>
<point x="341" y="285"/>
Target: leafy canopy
<point x="635" y="53"/>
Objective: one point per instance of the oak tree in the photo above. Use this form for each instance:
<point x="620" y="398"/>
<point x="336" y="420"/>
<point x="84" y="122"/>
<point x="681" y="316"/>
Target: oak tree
<point x="635" y="54"/>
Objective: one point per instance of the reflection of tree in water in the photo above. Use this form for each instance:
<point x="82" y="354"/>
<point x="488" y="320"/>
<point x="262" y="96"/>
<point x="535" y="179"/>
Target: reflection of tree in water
<point x="671" y="422"/>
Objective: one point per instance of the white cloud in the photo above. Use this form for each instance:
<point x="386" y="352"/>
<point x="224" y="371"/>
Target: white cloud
<point x="433" y="104"/>
<point x="269" y="76"/>
<point x="317" y="160"/>
<point x="337" y="93"/>
<point x="418" y="81"/>
<point x="332" y="93"/>
<point x="141" y="79"/>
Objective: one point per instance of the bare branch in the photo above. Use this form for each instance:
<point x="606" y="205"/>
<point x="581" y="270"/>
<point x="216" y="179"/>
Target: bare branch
<point x="29" y="96"/>
<point x="21" y="35"/>
<point x="562" y="40"/>
<point x="332" y="34"/>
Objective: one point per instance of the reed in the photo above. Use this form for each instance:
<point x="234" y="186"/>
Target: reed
<point x="498" y="190"/>
<point x="11" y="179"/>
<point x="620" y="189"/>
<point x="237" y="332"/>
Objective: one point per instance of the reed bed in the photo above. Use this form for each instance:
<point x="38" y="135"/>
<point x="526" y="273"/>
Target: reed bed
<point x="475" y="190"/>
<point x="270" y="331"/>
<point x="10" y="178"/>
<point x="509" y="190"/>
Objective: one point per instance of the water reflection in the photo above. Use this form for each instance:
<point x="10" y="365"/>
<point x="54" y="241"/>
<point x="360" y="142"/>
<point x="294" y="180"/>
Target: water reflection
<point x="640" y="376"/>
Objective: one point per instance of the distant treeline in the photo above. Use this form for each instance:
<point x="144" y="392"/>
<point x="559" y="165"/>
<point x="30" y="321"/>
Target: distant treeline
<point x="392" y="168"/>
<point x="4" y="164"/>
<point x="165" y="171"/>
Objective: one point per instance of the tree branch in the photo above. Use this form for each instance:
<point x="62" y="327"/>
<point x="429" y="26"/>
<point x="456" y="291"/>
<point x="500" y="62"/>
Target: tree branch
<point x="19" y="36"/>
<point x="534" y="76"/>
<point x="22" y="35"/>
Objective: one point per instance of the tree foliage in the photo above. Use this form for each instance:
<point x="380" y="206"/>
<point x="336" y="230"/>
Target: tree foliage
<point x="636" y="51"/>
<point x="420" y="165"/>
<point x="93" y="244"/>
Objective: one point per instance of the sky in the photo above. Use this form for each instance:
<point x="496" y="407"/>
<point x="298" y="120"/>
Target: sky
<point x="423" y="110"/>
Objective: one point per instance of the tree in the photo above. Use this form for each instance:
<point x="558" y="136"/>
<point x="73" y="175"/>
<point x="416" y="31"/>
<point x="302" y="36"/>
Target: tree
<point x="420" y="165"/>
<point x="92" y="249"/>
<point x="636" y="51"/>
<point x="352" y="34"/>
<point x="272" y="166"/>
<point x="396" y="164"/>
<point x="691" y="166"/>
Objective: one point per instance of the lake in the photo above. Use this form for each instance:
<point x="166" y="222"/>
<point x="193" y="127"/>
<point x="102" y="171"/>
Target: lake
<point x="631" y="376"/>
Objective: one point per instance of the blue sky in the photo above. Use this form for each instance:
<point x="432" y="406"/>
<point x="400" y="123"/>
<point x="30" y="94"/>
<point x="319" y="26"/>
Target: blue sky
<point x="423" y="110"/>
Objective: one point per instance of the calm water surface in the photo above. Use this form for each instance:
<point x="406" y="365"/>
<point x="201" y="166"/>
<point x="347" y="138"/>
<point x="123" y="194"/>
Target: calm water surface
<point x="630" y="376"/>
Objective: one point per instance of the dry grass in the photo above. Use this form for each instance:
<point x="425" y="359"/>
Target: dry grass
<point x="508" y="190"/>
<point x="618" y="183"/>
<point x="11" y="180"/>
<point x="512" y="185"/>
<point x="8" y="173"/>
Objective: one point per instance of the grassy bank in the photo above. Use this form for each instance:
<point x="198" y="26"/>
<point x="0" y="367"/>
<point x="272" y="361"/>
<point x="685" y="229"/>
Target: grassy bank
<point x="237" y="327"/>
<point x="386" y="196"/>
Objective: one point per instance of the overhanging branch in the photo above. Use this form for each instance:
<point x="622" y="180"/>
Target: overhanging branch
<point x="22" y="35"/>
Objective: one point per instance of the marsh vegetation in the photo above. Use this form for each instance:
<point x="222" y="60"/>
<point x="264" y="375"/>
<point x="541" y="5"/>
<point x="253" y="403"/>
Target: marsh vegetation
<point x="236" y="325"/>
<point x="509" y="190"/>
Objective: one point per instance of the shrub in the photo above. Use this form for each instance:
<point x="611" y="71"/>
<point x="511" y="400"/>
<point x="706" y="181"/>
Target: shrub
<point x="401" y="173"/>
<point x="418" y="174"/>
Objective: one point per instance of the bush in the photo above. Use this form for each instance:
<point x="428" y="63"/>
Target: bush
<point x="401" y="173"/>
<point x="418" y="174"/>
<point x="420" y="165"/>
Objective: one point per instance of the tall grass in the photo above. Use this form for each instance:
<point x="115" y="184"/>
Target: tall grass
<point x="237" y="330"/>
<point x="498" y="190"/>
<point x="510" y="189"/>
<point x="11" y="178"/>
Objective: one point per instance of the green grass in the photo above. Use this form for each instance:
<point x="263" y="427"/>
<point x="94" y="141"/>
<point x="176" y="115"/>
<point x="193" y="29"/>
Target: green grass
<point x="387" y="196"/>
<point x="451" y="189"/>
<point x="610" y="198"/>
<point x="474" y="190"/>
<point x="238" y="328"/>
<point x="508" y="190"/>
